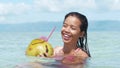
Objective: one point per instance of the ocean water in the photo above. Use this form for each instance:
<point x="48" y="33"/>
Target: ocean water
<point x="104" y="48"/>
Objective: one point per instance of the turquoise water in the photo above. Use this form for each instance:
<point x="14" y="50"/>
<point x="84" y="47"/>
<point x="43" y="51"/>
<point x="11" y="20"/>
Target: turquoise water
<point x="104" y="47"/>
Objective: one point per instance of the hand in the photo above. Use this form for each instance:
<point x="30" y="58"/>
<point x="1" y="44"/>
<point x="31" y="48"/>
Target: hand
<point x="43" y="55"/>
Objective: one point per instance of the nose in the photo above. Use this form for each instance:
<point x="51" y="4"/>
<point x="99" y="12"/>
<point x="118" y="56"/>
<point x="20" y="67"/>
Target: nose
<point x="67" y="29"/>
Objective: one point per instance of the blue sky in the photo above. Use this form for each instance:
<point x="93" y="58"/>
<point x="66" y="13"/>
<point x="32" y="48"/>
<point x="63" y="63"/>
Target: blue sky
<point x="25" y="11"/>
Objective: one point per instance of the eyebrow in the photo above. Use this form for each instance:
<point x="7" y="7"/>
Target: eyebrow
<point x="70" y="25"/>
<point x="74" y="26"/>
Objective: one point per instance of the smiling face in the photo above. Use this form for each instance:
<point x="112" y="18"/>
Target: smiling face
<point x="71" y="30"/>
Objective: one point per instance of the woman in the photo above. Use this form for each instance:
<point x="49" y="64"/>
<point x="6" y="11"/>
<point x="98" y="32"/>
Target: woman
<point x="74" y="36"/>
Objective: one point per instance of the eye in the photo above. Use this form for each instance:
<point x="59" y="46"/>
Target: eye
<point x="73" y="28"/>
<point x="64" y="25"/>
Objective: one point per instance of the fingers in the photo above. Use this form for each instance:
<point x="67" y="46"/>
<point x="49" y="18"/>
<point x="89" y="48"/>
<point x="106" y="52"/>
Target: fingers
<point x="43" y="55"/>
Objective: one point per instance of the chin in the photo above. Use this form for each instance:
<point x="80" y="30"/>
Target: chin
<point x="68" y="41"/>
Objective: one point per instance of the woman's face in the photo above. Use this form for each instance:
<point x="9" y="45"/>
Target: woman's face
<point x="71" y="30"/>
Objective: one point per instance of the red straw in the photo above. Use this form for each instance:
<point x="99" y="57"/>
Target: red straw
<point x="51" y="33"/>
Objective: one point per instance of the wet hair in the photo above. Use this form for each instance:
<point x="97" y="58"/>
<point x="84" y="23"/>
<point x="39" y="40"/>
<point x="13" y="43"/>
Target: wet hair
<point x="82" y="41"/>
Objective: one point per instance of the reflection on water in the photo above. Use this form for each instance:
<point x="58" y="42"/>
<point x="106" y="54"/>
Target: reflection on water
<point x="47" y="65"/>
<point x="39" y="62"/>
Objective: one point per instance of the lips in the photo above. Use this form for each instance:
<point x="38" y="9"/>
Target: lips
<point x="66" y="36"/>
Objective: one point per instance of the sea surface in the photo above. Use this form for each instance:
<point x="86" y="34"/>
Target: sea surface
<point x="104" y="47"/>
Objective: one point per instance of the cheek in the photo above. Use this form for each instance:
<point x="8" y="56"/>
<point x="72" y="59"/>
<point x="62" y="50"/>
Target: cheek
<point x="62" y="30"/>
<point x="76" y="34"/>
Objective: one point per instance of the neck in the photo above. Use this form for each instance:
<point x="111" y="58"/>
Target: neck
<point x="68" y="48"/>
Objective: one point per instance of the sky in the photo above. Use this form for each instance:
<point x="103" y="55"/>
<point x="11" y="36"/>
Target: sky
<point x="27" y="11"/>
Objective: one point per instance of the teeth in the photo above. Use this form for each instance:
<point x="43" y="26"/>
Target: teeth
<point x="66" y="35"/>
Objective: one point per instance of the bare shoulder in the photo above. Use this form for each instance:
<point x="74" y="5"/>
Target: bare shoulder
<point x="81" y="53"/>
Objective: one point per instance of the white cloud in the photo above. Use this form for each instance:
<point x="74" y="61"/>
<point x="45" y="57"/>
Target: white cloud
<point x="62" y="5"/>
<point x="107" y="5"/>
<point x="15" y="11"/>
<point x="21" y="8"/>
<point x="11" y="8"/>
<point x="49" y="5"/>
<point x="116" y="5"/>
<point x="11" y="12"/>
<point x="58" y="6"/>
